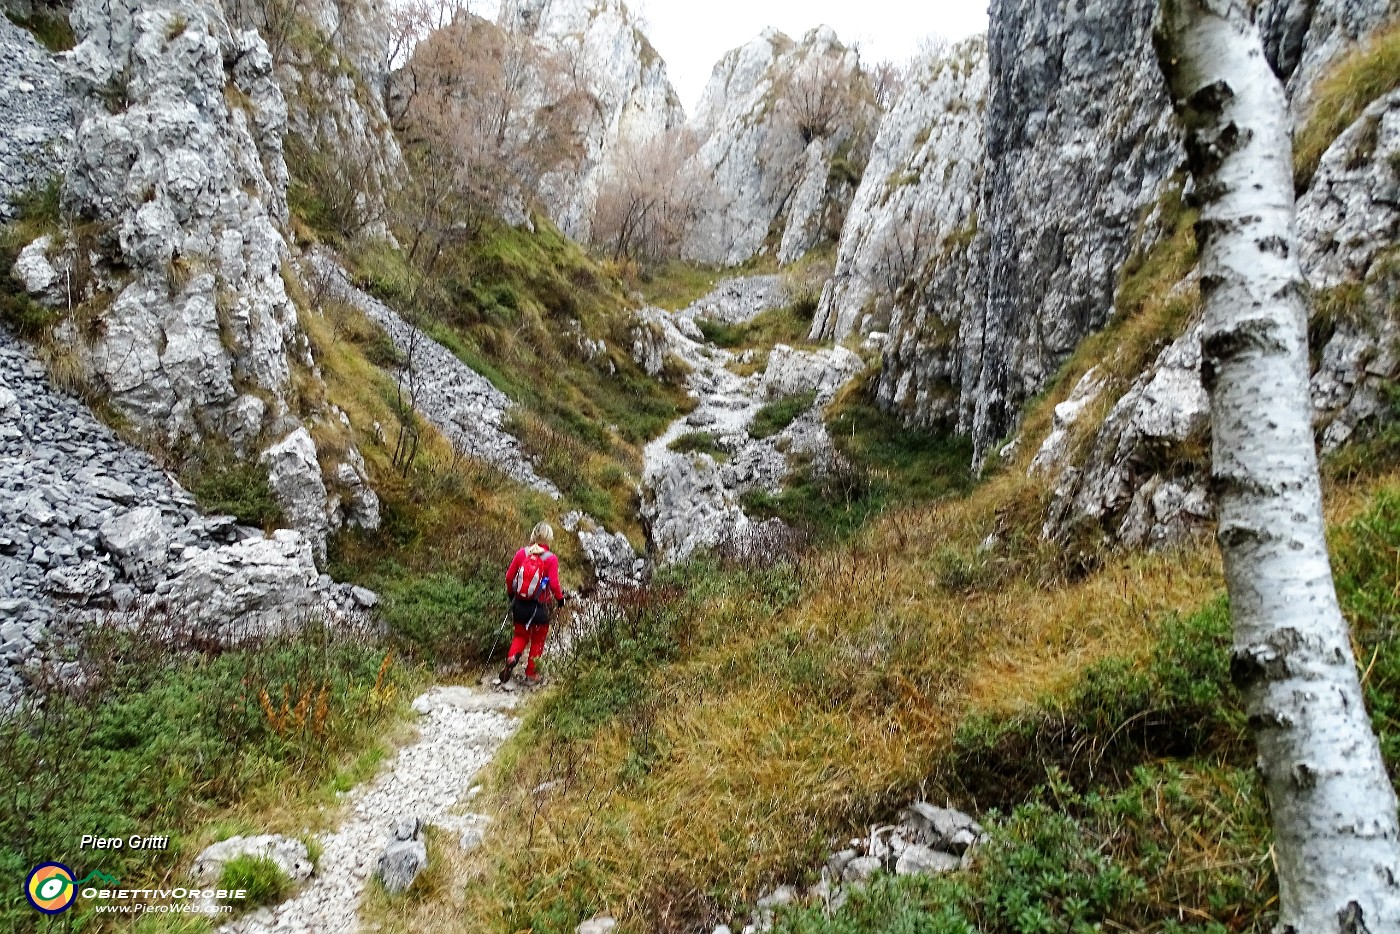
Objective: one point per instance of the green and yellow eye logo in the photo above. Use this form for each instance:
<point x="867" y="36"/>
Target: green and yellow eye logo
<point x="50" y="888"/>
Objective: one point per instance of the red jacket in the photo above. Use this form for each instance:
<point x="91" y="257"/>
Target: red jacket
<point x="551" y="570"/>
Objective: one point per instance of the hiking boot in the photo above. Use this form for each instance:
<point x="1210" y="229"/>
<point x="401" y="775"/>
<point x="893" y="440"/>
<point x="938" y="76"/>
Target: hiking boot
<point x="530" y="681"/>
<point x="504" y="677"/>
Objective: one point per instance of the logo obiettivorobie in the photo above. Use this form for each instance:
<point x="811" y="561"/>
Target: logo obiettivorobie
<point x="50" y="888"/>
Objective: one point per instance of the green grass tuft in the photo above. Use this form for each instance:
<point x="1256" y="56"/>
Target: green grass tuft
<point x="700" y="442"/>
<point x="49" y="26"/>
<point x="777" y="415"/>
<point x="262" y="879"/>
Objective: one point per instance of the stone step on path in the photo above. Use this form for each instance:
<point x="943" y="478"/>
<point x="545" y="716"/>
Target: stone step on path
<point x="460" y="730"/>
<point x="457" y="400"/>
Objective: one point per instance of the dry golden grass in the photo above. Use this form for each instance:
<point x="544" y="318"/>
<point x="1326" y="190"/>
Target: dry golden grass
<point x="1366" y="74"/>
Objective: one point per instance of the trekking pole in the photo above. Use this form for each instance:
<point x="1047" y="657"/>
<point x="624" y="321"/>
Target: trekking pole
<point x="497" y="640"/>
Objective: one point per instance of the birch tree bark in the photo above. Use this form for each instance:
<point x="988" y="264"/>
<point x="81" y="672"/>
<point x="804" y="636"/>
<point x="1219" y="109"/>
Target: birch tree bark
<point x="1337" y="842"/>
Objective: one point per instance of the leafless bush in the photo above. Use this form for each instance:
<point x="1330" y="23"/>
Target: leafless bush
<point x="648" y="205"/>
<point x="488" y="114"/>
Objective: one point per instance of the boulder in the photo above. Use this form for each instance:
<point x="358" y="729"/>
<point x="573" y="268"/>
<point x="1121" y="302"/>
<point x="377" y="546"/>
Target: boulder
<point x="920" y="860"/>
<point x="599" y="925"/>
<point x="139" y="539"/>
<point x="939" y="828"/>
<point x="403" y="858"/>
<point x="791" y="372"/>
<point x="295" y="477"/>
<point x="250" y="588"/>
<point x="861" y="869"/>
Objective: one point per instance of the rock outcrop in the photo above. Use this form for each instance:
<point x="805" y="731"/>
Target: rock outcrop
<point x="631" y="99"/>
<point x="35" y="114"/>
<point x="331" y="60"/>
<point x="1143" y="478"/>
<point x="920" y="187"/>
<point x="92" y="528"/>
<point x="1079" y="139"/>
<point x="784" y="130"/>
<point x="171" y="269"/>
<point x="289" y="855"/>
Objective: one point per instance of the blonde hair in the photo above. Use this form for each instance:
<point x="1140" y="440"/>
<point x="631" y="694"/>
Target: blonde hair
<point x="543" y="534"/>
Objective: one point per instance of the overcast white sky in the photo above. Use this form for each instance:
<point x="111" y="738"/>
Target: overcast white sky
<point x="692" y="34"/>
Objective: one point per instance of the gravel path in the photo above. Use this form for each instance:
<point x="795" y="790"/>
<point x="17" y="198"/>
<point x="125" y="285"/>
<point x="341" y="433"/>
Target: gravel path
<point x="459" y="401"/>
<point x="460" y="730"/>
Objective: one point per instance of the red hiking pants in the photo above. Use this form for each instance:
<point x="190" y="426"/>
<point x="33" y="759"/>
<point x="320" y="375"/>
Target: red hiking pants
<point x="535" y="636"/>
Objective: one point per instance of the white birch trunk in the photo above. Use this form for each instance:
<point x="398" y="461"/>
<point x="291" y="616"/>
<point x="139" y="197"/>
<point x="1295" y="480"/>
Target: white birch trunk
<point x="1337" y="842"/>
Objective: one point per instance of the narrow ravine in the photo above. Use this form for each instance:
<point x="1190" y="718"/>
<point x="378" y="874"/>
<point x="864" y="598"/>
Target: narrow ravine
<point x="460" y="730"/>
<point x="693" y="499"/>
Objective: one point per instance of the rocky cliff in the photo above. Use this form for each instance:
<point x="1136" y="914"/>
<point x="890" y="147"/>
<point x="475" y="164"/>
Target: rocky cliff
<point x="331" y="60"/>
<point x="631" y="100"/>
<point x="785" y="129"/>
<point x="916" y="202"/>
<point x="1075" y="193"/>
<point x="169" y="271"/>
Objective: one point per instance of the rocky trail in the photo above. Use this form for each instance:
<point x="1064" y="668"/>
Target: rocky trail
<point x="429" y="783"/>
<point x="692" y="499"/>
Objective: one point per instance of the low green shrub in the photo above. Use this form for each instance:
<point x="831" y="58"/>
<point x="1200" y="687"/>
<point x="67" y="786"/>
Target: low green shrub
<point x="441" y="615"/>
<point x="167" y="729"/>
<point x="699" y="442"/>
<point x="227" y="486"/>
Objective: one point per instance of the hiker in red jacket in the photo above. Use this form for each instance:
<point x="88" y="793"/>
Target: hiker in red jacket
<point x="532" y="580"/>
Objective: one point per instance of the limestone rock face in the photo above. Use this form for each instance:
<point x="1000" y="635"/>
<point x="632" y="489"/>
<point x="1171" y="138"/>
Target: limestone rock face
<point x="920" y="187"/>
<point x="35" y="114"/>
<point x="333" y="67"/>
<point x="172" y="272"/>
<point x="632" y="99"/>
<point x="1348" y="224"/>
<point x="1079" y="138"/>
<point x="186" y="191"/>
<point x="775" y="169"/>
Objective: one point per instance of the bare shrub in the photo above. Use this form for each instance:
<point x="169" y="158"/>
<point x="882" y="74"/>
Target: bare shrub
<point x="649" y="203"/>
<point x="488" y="114"/>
